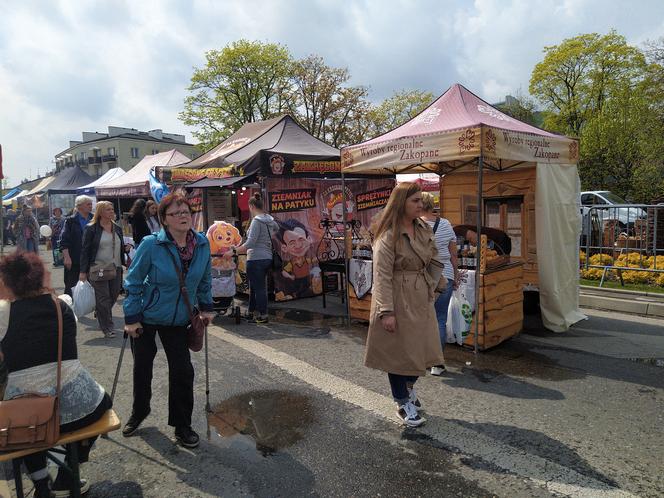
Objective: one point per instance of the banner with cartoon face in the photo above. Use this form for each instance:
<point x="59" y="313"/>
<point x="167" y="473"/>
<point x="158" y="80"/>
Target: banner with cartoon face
<point x="309" y="213"/>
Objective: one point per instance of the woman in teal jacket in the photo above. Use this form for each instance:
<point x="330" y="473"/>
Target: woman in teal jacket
<point x="154" y="305"/>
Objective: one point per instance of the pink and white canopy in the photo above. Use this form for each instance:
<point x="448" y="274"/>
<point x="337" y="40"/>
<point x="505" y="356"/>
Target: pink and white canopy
<point x="449" y="134"/>
<point x="136" y="181"/>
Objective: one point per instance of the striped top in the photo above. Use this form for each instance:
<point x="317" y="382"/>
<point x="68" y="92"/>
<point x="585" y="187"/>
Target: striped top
<point x="443" y="236"/>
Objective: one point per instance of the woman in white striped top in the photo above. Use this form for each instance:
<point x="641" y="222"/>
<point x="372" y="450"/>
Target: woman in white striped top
<point x="447" y="253"/>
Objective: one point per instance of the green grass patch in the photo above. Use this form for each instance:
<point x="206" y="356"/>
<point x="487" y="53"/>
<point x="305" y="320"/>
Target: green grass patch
<point x="610" y="284"/>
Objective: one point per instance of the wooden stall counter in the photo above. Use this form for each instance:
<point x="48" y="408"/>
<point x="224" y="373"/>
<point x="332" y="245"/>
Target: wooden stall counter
<point x="500" y="314"/>
<point x="500" y="311"/>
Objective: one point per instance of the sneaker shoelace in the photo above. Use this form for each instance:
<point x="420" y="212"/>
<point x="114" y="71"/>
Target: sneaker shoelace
<point x="411" y="411"/>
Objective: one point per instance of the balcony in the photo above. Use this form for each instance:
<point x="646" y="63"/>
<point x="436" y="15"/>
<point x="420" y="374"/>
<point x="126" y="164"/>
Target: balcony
<point x="94" y="160"/>
<point x="109" y="159"/>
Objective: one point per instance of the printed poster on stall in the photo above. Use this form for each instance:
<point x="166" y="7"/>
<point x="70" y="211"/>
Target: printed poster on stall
<point x="299" y="205"/>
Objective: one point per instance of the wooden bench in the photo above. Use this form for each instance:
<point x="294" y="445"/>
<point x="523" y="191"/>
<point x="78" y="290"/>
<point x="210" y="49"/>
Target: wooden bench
<point x="107" y="423"/>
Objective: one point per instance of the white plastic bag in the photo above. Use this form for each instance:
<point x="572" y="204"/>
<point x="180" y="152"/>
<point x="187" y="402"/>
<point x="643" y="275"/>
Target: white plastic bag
<point x="84" y="298"/>
<point x="223" y="283"/>
<point x="459" y="317"/>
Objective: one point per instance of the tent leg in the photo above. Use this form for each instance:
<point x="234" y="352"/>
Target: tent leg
<point x="344" y="288"/>
<point x="478" y="252"/>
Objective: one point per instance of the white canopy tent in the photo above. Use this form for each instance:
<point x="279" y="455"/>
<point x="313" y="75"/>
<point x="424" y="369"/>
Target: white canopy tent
<point x="461" y="132"/>
<point x="136" y="181"/>
<point x="110" y="175"/>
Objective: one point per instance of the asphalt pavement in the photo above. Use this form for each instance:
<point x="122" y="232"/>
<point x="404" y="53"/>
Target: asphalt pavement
<point x="295" y="413"/>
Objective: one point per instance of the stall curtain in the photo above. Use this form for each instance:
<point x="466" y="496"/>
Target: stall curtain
<point x="558" y="228"/>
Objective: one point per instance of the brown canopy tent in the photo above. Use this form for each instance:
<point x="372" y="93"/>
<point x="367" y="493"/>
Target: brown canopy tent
<point x="460" y="132"/>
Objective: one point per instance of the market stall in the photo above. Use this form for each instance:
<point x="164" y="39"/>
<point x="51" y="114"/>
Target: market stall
<point x="124" y="189"/>
<point x="90" y="188"/>
<point x="58" y="190"/>
<point x="495" y="170"/>
<point x="62" y="190"/>
<point x="299" y="178"/>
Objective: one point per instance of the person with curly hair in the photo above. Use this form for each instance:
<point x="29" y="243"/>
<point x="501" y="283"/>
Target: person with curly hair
<point x="30" y="348"/>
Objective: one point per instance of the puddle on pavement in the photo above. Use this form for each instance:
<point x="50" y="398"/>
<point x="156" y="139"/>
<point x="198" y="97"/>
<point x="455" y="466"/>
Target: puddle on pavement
<point x="306" y="317"/>
<point x="658" y="362"/>
<point x="261" y="422"/>
<point x="318" y="322"/>
<point x="511" y="358"/>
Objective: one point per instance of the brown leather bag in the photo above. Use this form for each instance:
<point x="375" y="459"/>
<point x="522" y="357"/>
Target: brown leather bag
<point x="33" y="420"/>
<point x="196" y="328"/>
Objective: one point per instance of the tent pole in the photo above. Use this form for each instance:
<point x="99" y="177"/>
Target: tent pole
<point x="478" y="252"/>
<point x="206" y="218"/>
<point x="2" y="225"/>
<point x="346" y="256"/>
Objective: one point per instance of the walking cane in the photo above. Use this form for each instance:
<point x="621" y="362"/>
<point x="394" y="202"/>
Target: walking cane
<point x="117" y="369"/>
<point x="117" y="373"/>
<point x="208" y="409"/>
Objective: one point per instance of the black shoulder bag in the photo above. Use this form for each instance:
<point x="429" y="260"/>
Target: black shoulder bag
<point x="435" y="225"/>
<point x="277" y="262"/>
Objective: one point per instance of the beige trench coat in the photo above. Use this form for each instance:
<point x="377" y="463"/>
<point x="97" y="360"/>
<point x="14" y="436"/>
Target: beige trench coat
<point x="405" y="276"/>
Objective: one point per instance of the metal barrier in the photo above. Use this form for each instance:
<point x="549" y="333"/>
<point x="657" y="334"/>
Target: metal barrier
<point x="631" y="235"/>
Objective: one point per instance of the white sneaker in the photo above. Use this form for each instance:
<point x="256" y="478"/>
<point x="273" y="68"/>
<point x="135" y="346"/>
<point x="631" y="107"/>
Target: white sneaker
<point x="438" y="371"/>
<point x="407" y="413"/>
<point x="412" y="396"/>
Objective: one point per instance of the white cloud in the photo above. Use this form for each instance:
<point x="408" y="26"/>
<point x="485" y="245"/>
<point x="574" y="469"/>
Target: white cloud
<point x="72" y="65"/>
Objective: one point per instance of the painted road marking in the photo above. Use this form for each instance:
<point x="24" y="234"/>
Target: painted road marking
<point x="546" y="473"/>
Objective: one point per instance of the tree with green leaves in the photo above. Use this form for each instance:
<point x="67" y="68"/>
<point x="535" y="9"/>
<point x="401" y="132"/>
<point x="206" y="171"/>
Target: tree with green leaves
<point x="397" y="109"/>
<point x="648" y="183"/>
<point x="246" y="81"/>
<point x="577" y="77"/>
<point x="324" y="103"/>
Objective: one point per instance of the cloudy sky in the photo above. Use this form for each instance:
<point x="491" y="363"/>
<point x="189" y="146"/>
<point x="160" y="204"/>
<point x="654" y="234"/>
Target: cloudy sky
<point x="72" y="65"/>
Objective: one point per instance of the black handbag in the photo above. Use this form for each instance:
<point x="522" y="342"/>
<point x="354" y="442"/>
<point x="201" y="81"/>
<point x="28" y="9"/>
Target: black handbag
<point x="277" y="262"/>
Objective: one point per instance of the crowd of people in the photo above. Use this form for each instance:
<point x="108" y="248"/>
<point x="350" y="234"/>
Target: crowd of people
<point x="415" y="270"/>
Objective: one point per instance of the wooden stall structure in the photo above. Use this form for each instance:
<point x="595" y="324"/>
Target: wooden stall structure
<point x="492" y="167"/>
<point x="500" y="302"/>
<point x="508" y="204"/>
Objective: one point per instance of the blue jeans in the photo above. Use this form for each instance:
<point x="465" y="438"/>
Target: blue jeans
<point x="31" y="246"/>
<point x="256" y="273"/>
<point x="399" y="386"/>
<point x="441" y="305"/>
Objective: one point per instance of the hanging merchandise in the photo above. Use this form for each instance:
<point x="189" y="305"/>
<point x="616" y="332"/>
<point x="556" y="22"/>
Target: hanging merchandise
<point x="157" y="189"/>
<point x="459" y="317"/>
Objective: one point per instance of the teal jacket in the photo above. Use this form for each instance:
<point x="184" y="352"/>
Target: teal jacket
<point x="152" y="285"/>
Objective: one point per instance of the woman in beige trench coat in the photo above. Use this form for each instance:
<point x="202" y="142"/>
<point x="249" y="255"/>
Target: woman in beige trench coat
<point x="403" y="332"/>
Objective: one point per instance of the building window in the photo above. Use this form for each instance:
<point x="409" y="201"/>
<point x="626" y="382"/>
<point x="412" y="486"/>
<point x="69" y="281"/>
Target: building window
<point x="111" y="151"/>
<point x="155" y="151"/>
<point x="134" y="152"/>
<point x="84" y="156"/>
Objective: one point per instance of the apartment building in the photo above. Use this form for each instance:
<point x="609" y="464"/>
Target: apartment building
<point x="121" y="147"/>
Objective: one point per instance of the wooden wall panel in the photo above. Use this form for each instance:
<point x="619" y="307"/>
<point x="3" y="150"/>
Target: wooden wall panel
<point x="458" y="190"/>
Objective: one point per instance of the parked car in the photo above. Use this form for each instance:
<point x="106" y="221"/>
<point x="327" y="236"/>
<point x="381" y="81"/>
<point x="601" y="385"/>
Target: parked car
<point x="604" y="200"/>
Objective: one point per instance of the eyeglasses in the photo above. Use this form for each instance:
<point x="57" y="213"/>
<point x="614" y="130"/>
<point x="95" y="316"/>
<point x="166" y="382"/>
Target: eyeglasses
<point x="179" y="213"/>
